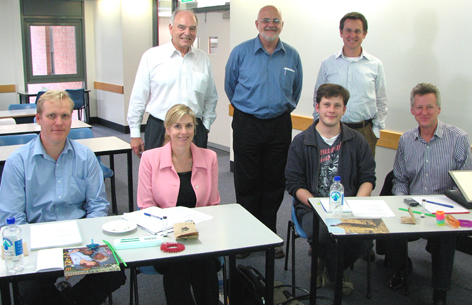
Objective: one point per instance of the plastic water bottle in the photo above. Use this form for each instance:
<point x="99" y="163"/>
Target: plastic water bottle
<point x="336" y="197"/>
<point x="13" y="247"/>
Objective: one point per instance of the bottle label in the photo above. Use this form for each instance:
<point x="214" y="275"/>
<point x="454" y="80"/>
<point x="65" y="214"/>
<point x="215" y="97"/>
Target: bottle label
<point x="337" y="197"/>
<point x="16" y="247"/>
<point x="19" y="247"/>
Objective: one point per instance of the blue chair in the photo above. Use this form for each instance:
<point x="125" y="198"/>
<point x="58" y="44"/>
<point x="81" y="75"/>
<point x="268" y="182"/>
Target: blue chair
<point x="78" y="96"/>
<point x="22" y="120"/>
<point x="38" y="96"/>
<point x="15" y="140"/>
<point x="294" y="231"/>
<point x="86" y="133"/>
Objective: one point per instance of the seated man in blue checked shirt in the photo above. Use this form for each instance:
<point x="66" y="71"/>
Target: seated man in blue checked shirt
<point x="53" y="178"/>
<point x="424" y="157"/>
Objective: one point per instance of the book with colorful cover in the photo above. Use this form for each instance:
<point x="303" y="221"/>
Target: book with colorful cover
<point x="78" y="261"/>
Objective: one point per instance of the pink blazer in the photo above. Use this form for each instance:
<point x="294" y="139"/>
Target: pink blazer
<point x="159" y="184"/>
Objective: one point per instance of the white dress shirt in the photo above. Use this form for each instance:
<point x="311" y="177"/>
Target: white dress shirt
<point x="364" y="78"/>
<point x="165" y="78"/>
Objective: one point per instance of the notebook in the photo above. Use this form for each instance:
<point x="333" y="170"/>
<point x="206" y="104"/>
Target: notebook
<point x="463" y="180"/>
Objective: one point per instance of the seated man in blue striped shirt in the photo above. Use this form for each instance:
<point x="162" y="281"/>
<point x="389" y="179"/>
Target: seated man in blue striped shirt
<point x="424" y="157"/>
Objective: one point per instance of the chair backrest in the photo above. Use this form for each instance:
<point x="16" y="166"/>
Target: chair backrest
<point x="298" y="227"/>
<point x="388" y="185"/>
<point x="80" y="133"/>
<point x="38" y="96"/>
<point x="7" y="121"/>
<point x="17" y="139"/>
<point x="78" y="96"/>
<point x="21" y="106"/>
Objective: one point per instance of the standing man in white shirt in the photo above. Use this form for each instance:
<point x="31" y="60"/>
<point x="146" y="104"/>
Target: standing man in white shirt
<point x="175" y="73"/>
<point x="362" y="75"/>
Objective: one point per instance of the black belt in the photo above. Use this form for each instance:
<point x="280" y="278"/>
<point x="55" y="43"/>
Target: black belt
<point x="359" y="125"/>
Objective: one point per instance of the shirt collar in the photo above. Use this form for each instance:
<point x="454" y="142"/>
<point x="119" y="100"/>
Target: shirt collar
<point x="38" y="148"/>
<point x="173" y="51"/>
<point x="437" y="133"/>
<point x="197" y="156"/>
<point x="258" y="45"/>
<point x="363" y="55"/>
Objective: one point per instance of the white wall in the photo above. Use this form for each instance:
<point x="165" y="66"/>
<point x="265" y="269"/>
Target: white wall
<point x="11" y="54"/>
<point x="210" y="25"/>
<point x="417" y="41"/>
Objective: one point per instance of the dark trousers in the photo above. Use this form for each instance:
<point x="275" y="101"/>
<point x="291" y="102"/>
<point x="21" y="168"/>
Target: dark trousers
<point x="155" y="131"/>
<point x="353" y="249"/>
<point x="260" y="154"/>
<point x="199" y="276"/>
<point x="442" y="251"/>
<point x="93" y="289"/>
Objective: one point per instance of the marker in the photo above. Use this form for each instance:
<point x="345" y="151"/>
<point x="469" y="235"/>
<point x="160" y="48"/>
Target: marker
<point x="150" y="215"/>
<point x="441" y="204"/>
<point x="416" y="212"/>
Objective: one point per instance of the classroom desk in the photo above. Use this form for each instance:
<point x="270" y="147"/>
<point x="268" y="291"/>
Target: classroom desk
<point x="231" y="231"/>
<point x="25" y="96"/>
<point x="425" y="227"/>
<point x="6" y="130"/>
<point x="19" y="115"/>
<point x="100" y="146"/>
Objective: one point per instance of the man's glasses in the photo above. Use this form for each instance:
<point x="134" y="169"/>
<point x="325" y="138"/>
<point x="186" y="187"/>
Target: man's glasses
<point x="267" y="21"/>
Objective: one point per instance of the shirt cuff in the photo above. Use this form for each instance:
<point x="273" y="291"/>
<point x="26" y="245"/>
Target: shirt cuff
<point x="135" y="132"/>
<point x="376" y="131"/>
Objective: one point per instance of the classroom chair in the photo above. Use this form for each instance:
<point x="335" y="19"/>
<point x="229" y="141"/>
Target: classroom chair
<point x="22" y="120"/>
<point x="86" y="133"/>
<point x="15" y="140"/>
<point x="38" y="96"/>
<point x="78" y="97"/>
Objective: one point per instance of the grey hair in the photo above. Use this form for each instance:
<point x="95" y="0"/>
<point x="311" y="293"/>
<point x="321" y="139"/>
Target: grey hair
<point x="174" y="13"/>
<point x="425" y="88"/>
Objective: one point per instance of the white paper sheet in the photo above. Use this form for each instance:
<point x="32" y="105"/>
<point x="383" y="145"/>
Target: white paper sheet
<point x="370" y="208"/>
<point x="325" y="204"/>
<point x="54" y="234"/>
<point x="432" y="208"/>
<point x="49" y="259"/>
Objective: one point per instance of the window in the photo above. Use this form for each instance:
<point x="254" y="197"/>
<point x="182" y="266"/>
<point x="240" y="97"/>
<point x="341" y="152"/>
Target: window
<point x="53" y="50"/>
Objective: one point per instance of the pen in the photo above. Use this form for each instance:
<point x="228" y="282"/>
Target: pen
<point x="441" y="204"/>
<point x="115" y="254"/>
<point x="416" y="212"/>
<point x="150" y="215"/>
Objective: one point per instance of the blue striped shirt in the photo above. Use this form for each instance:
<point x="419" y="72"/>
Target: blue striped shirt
<point x="264" y="85"/>
<point x="422" y="168"/>
<point x="365" y="80"/>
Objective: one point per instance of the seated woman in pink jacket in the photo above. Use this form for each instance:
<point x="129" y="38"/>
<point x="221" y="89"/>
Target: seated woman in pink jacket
<point x="181" y="174"/>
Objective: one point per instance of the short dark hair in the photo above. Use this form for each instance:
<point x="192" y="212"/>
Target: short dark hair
<point x="354" y="16"/>
<point x="332" y="90"/>
<point x="425" y="88"/>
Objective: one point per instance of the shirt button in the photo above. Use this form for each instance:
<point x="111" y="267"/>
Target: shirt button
<point x="59" y="181"/>
<point x="196" y="186"/>
<point x="57" y="164"/>
<point x="427" y="161"/>
<point x="59" y="196"/>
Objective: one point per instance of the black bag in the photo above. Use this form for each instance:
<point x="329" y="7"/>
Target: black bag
<point x="251" y="289"/>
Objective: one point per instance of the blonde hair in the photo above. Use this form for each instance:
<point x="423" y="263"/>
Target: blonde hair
<point x="54" y="96"/>
<point x="174" y="114"/>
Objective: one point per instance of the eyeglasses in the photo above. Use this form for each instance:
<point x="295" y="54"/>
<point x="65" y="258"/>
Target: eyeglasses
<point x="267" y="21"/>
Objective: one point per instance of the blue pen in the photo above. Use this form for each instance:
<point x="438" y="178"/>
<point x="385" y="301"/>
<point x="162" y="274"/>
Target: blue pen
<point x="441" y="204"/>
<point x="150" y="215"/>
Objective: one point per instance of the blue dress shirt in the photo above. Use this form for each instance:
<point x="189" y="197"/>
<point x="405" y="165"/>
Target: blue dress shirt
<point x="36" y="188"/>
<point x="263" y="85"/>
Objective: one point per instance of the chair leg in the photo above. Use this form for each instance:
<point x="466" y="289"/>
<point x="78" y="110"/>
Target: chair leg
<point x="287" y="246"/>
<point x="369" y="279"/>
<point x="294" y="236"/>
<point x="114" y="205"/>
<point x="110" y="299"/>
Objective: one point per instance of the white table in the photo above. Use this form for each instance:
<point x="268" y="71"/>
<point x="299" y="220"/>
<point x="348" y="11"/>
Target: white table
<point x="231" y="231"/>
<point x="14" y="129"/>
<point x="20" y="115"/>
<point x="100" y="146"/>
<point x="425" y="227"/>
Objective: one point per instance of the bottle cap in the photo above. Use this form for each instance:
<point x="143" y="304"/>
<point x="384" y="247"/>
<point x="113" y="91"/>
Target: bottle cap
<point x="10" y="220"/>
<point x="337" y="178"/>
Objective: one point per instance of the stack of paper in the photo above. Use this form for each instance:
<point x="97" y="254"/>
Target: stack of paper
<point x="441" y="203"/>
<point x="154" y="225"/>
<point x="54" y="234"/>
<point x="365" y="208"/>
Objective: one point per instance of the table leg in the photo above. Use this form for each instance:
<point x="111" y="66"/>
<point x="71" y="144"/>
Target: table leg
<point x="269" y="274"/>
<point x="314" y="258"/>
<point x="5" y="291"/>
<point x="87" y="107"/>
<point x="232" y="279"/>
<point x="113" y="185"/>
<point x="130" y="182"/>
<point x="338" y="288"/>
